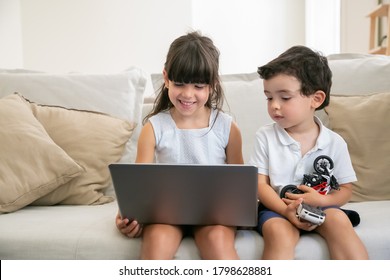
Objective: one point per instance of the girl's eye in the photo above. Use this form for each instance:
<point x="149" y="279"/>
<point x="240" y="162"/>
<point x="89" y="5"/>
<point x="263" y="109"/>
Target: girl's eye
<point x="199" y="86"/>
<point x="178" y="84"/>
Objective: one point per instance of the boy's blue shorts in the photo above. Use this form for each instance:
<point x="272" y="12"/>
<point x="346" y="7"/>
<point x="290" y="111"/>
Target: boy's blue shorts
<point x="265" y="214"/>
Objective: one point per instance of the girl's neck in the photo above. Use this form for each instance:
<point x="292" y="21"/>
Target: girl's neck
<point x="195" y="121"/>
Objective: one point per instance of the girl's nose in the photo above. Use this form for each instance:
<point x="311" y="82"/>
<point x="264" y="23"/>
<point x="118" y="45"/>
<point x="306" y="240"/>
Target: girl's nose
<point x="187" y="91"/>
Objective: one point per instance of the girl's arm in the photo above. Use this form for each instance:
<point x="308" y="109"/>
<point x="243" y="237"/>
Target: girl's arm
<point x="234" y="147"/>
<point x="146" y="145"/>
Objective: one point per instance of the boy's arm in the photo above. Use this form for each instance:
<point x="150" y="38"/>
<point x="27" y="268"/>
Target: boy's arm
<point x="268" y="197"/>
<point x="338" y="197"/>
<point x="333" y="198"/>
<point x="271" y="200"/>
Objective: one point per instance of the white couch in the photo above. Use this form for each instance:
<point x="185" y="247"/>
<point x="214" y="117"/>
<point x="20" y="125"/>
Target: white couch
<point x="32" y="227"/>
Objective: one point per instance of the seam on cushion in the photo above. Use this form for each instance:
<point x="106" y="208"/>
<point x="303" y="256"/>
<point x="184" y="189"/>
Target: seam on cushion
<point x="70" y="176"/>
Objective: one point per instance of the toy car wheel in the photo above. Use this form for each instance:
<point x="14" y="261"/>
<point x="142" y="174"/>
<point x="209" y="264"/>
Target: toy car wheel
<point x="289" y="189"/>
<point x="322" y="164"/>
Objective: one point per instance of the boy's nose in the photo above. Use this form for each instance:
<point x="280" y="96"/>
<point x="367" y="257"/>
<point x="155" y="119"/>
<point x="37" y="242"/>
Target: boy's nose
<point x="275" y="105"/>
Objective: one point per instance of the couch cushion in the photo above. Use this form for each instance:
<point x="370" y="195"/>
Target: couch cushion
<point x="359" y="74"/>
<point x="362" y="122"/>
<point x="247" y="104"/>
<point x="93" y="140"/>
<point x="32" y="165"/>
<point x="117" y="94"/>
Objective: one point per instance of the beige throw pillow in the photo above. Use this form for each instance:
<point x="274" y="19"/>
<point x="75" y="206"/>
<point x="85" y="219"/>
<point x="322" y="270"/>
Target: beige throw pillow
<point x="93" y="140"/>
<point x="31" y="165"/>
<point x="363" y="121"/>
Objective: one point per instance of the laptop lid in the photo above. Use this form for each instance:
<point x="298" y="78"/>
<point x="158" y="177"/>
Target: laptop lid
<point x="187" y="194"/>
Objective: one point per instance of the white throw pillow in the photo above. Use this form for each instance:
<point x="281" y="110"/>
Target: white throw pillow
<point x="359" y="74"/>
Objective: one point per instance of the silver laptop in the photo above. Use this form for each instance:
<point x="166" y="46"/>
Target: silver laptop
<point x="187" y="194"/>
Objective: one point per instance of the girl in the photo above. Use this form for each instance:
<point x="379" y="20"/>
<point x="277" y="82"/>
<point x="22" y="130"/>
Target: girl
<point x="187" y="125"/>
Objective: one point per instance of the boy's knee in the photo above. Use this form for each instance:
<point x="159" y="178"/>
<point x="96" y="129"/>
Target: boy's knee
<point x="337" y="220"/>
<point x="278" y="228"/>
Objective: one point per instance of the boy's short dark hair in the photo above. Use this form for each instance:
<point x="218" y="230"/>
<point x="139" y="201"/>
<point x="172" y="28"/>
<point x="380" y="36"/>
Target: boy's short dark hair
<point x="309" y="67"/>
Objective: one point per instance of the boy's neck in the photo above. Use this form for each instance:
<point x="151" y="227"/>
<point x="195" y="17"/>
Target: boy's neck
<point x="305" y="134"/>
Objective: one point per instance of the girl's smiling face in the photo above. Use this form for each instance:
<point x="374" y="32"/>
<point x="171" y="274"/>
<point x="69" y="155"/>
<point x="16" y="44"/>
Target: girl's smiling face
<point x="187" y="98"/>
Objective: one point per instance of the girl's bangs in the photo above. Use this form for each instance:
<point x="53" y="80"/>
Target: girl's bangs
<point x="187" y="70"/>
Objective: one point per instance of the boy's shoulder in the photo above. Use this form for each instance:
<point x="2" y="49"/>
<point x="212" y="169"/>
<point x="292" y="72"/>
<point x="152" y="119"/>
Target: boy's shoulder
<point x="267" y="128"/>
<point x="334" y="136"/>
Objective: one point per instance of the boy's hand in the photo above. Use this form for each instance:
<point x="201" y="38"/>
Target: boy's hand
<point x="291" y="215"/>
<point x="131" y="229"/>
<point x="310" y="195"/>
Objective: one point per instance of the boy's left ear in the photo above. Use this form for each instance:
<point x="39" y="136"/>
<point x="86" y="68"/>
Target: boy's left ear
<point x="318" y="98"/>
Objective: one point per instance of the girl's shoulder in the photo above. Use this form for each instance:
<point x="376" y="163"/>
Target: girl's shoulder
<point x="162" y="120"/>
<point x="220" y="120"/>
<point x="161" y="116"/>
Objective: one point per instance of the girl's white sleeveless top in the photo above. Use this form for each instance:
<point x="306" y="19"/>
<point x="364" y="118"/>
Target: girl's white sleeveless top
<point x="191" y="146"/>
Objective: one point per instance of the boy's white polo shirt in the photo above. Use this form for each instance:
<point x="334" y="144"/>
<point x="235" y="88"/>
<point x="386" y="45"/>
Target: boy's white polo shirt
<point x="278" y="155"/>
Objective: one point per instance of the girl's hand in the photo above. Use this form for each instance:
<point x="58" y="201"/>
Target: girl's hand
<point x="131" y="229"/>
<point x="291" y="215"/>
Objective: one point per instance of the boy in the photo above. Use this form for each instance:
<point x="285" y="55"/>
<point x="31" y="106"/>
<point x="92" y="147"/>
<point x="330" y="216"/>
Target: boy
<point x="296" y="84"/>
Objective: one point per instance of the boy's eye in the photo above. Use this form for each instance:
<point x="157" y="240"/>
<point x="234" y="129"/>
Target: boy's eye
<point x="286" y="98"/>
<point x="268" y="98"/>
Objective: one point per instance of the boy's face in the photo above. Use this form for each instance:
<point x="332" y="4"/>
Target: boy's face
<point x="286" y="105"/>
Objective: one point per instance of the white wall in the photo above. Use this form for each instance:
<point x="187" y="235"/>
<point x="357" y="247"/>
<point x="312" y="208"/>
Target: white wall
<point x="249" y="33"/>
<point x="10" y="35"/>
<point x="111" y="35"/>
<point x="100" y="36"/>
<point x="323" y="35"/>
<point x="355" y="25"/>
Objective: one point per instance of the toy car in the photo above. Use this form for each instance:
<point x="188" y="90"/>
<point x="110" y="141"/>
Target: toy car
<point x="311" y="214"/>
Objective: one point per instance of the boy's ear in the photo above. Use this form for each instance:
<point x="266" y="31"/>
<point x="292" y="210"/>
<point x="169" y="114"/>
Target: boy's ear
<point x="318" y="98"/>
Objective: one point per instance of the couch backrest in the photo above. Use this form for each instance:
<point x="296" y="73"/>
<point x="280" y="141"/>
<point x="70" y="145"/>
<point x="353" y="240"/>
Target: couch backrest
<point x="352" y="74"/>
